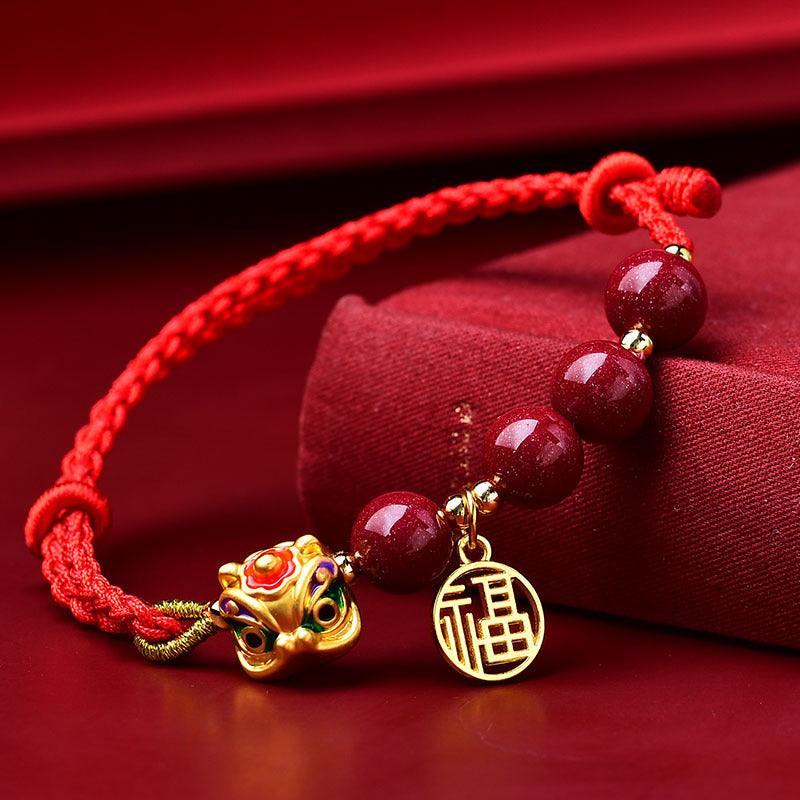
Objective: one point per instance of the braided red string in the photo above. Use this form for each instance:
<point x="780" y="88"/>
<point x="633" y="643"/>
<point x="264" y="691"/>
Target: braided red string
<point x="621" y="192"/>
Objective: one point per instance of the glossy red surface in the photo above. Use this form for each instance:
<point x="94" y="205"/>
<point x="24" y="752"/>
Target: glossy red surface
<point x="659" y="292"/>
<point x="603" y="390"/>
<point x="400" y="543"/>
<point x="206" y="473"/>
<point x="535" y="454"/>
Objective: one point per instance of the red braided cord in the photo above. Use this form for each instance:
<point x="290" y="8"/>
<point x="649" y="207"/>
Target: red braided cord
<point x="622" y="191"/>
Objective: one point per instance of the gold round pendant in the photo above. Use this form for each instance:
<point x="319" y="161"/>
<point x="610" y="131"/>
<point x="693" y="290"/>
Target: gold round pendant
<point x="488" y="619"/>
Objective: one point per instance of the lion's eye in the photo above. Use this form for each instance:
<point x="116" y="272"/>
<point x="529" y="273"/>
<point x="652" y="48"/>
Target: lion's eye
<point x="254" y="639"/>
<point x="327" y="612"/>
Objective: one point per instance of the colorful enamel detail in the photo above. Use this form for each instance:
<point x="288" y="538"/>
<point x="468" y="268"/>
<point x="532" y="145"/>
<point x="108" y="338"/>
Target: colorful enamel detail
<point x="287" y="607"/>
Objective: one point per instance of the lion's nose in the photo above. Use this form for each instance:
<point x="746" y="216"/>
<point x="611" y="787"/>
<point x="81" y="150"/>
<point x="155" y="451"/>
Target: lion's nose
<point x="296" y="642"/>
<point x="287" y="643"/>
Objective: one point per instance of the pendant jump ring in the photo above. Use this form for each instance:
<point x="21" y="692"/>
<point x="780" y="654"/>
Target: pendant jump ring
<point x="466" y="551"/>
<point x="472" y="517"/>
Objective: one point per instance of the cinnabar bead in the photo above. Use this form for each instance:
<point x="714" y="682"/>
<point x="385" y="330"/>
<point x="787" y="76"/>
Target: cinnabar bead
<point x="535" y="455"/>
<point x="659" y="292"/>
<point x="603" y="390"/>
<point x="400" y="542"/>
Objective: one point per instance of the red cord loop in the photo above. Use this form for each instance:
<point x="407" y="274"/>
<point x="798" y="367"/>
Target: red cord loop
<point x="60" y="500"/>
<point x="595" y="203"/>
<point x="621" y="192"/>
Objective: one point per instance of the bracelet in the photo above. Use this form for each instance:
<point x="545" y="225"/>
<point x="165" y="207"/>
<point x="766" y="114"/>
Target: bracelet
<point x="292" y="604"/>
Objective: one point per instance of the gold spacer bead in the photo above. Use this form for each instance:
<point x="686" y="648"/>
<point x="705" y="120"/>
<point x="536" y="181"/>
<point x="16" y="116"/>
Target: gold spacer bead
<point x="638" y="342"/>
<point x="347" y="566"/>
<point x="455" y="507"/>
<point x="679" y="250"/>
<point x="482" y="497"/>
<point x="487" y="496"/>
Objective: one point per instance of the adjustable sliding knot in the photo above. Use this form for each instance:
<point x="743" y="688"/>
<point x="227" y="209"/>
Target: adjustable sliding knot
<point x="624" y="191"/>
<point x="59" y="501"/>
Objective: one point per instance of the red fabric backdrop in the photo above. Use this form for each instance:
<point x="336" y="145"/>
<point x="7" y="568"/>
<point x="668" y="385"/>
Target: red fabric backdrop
<point x="694" y="522"/>
<point x="98" y="96"/>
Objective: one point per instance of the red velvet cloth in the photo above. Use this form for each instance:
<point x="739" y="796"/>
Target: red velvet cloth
<point x="694" y="522"/>
<point x="102" y="96"/>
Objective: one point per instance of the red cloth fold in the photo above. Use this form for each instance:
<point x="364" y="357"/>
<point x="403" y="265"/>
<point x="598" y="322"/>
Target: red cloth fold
<point x="693" y="522"/>
<point x="102" y="97"/>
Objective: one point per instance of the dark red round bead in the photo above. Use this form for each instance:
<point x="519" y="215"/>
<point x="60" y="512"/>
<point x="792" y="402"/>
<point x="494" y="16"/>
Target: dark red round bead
<point x="535" y="454"/>
<point x="400" y="543"/>
<point x="659" y="292"/>
<point x="603" y="390"/>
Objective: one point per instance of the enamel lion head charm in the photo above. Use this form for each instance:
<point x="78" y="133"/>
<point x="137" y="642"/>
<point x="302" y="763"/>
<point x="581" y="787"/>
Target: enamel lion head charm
<point x="287" y="607"/>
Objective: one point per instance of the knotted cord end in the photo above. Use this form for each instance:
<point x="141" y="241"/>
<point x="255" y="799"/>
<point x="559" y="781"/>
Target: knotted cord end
<point x="623" y="191"/>
<point x="688" y="191"/>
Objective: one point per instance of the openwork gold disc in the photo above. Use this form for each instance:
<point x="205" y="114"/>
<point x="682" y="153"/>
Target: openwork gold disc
<point x="488" y="620"/>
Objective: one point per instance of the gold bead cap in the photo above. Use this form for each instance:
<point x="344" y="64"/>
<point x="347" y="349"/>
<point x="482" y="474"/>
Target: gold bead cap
<point x="679" y="250"/>
<point x="638" y="342"/>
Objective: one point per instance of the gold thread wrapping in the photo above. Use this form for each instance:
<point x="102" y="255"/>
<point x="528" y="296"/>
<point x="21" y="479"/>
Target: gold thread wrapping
<point x="199" y="631"/>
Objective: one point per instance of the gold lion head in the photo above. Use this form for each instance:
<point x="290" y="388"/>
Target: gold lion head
<point x="287" y="607"/>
